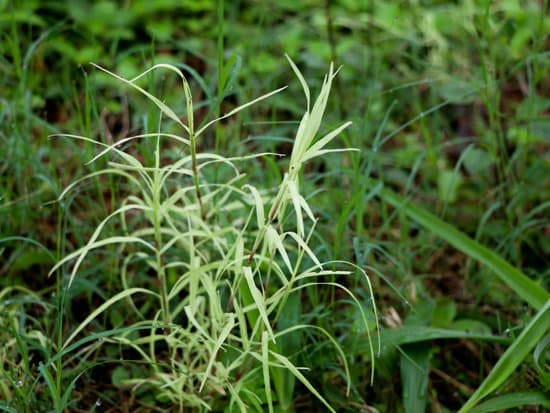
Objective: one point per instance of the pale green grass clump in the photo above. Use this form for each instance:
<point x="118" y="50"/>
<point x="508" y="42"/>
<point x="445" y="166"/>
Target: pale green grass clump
<point x="228" y="256"/>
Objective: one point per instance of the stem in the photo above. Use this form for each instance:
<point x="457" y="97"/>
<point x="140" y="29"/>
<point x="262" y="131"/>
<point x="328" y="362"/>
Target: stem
<point x="221" y="86"/>
<point x="60" y="297"/>
<point x="160" y="271"/>
<point x="334" y="57"/>
<point x="193" y="144"/>
<point x="157" y="222"/>
<point x="196" y="172"/>
<point x="277" y="205"/>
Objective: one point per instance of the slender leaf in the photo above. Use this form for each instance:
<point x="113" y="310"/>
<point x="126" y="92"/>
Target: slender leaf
<point x="286" y="362"/>
<point x="514" y="355"/>
<point x="117" y="297"/>
<point x="416" y="334"/>
<point x="219" y="342"/>
<point x="52" y="387"/>
<point x="161" y="105"/>
<point x="265" y="370"/>
<point x="522" y="285"/>
<point x="258" y="300"/>
<point x="415" y="368"/>
<point x="301" y="79"/>
<point x="511" y="400"/>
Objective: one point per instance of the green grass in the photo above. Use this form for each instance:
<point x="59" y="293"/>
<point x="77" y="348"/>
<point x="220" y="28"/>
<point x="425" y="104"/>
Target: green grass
<point x="440" y="199"/>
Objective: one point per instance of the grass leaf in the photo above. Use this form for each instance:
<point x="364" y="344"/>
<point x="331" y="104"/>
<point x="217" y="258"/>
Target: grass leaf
<point x="415" y="368"/>
<point x="514" y="355"/>
<point x="511" y="400"/>
<point x="117" y="297"/>
<point x="219" y="342"/>
<point x="258" y="300"/>
<point x="301" y="79"/>
<point x="162" y="106"/>
<point x="522" y="285"/>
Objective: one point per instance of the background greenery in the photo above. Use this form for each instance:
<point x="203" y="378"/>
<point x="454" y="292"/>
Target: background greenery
<point x="449" y="103"/>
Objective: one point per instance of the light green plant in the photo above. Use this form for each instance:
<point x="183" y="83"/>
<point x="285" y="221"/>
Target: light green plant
<point x="225" y="268"/>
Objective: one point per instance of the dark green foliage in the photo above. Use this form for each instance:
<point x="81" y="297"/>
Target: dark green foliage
<point x="449" y="103"/>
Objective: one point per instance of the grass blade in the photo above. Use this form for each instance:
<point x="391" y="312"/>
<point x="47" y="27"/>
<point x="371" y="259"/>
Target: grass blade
<point x="288" y="364"/>
<point x="219" y="342"/>
<point x="265" y="370"/>
<point x="417" y="334"/>
<point x="514" y="355"/>
<point x="258" y="300"/>
<point x="415" y="368"/>
<point x="526" y="288"/>
<point x="301" y="79"/>
<point x="52" y="387"/>
<point x="161" y="105"/>
<point x="103" y="307"/>
<point x="509" y="401"/>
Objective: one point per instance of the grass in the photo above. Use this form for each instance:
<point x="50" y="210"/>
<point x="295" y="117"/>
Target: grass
<point x="185" y="257"/>
<point x="223" y="265"/>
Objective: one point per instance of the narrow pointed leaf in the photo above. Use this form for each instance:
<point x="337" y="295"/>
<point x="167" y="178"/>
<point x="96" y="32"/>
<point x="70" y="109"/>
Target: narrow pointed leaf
<point x="275" y="242"/>
<point x="238" y="109"/>
<point x="265" y="370"/>
<point x="288" y="364"/>
<point x="162" y="106"/>
<point x="415" y="367"/>
<point x="117" y="297"/>
<point x="511" y="400"/>
<point x="321" y="143"/>
<point x="513" y="356"/>
<point x="522" y="285"/>
<point x="301" y="79"/>
<point x="295" y="197"/>
<point x="258" y="300"/>
<point x="219" y="342"/>
<point x="259" y="205"/>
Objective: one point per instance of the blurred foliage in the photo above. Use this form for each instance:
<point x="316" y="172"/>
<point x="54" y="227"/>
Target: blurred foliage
<point x="449" y="102"/>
